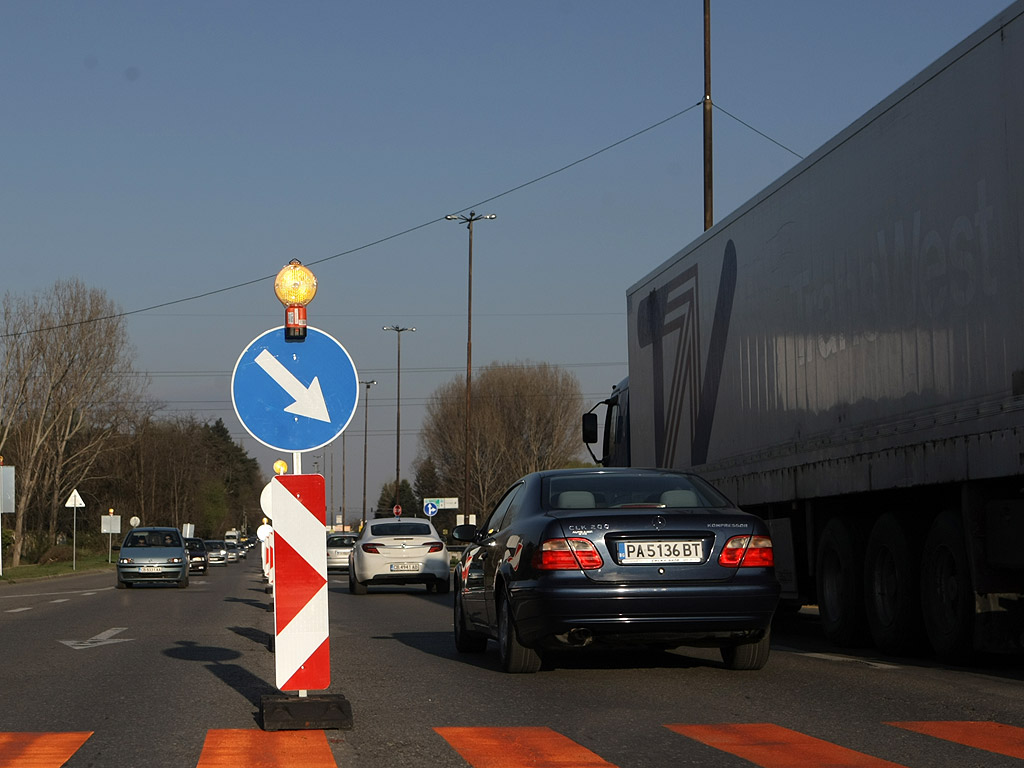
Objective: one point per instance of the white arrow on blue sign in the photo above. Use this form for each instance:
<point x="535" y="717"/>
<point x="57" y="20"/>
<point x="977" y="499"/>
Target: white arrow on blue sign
<point x="295" y="396"/>
<point x="429" y="508"/>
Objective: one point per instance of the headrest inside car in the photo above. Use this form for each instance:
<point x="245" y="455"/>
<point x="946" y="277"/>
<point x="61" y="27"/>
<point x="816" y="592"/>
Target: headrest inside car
<point x="576" y="500"/>
<point x="680" y="498"/>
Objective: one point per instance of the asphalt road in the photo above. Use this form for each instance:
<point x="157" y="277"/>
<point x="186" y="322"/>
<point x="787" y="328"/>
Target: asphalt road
<point x="175" y="677"/>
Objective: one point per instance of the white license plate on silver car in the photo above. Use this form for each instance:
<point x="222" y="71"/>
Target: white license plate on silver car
<point x="405" y="567"/>
<point x="150" y="569"/>
<point x="675" y="551"/>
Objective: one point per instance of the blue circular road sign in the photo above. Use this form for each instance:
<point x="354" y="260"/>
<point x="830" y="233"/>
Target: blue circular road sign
<point x="294" y="396"/>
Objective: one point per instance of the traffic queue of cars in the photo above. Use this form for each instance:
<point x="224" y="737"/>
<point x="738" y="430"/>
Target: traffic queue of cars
<point x="576" y="558"/>
<point x="567" y="559"/>
<point x="161" y="555"/>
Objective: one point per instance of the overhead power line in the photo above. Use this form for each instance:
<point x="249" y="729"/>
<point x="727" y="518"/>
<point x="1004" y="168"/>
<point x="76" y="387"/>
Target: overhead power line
<point x="409" y="230"/>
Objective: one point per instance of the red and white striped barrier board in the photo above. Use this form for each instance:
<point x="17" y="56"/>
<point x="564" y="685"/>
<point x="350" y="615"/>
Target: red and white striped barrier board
<point x="301" y="648"/>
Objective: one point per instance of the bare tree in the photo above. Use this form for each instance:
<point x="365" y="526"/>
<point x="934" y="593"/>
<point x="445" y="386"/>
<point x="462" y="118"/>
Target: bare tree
<point x="525" y="418"/>
<point x="67" y="387"/>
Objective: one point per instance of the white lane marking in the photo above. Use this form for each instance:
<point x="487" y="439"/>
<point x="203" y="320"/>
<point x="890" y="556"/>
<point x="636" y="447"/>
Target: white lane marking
<point x="103" y="638"/>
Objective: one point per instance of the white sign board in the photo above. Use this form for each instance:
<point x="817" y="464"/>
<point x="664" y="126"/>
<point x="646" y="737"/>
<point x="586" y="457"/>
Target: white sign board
<point x="449" y="502"/>
<point x="6" y="490"/>
<point x="110" y="524"/>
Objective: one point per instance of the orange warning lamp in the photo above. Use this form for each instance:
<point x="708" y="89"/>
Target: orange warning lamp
<point x="295" y="287"/>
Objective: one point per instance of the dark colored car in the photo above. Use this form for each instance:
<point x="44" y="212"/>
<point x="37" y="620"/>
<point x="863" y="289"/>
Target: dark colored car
<point x="615" y="557"/>
<point x="152" y="555"/>
<point x="198" y="559"/>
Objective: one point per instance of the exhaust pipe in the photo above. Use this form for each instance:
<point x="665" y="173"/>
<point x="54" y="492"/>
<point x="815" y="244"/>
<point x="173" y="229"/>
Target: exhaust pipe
<point x="580" y="636"/>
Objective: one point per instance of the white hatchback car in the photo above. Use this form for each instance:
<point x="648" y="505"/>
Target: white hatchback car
<point x="399" y="551"/>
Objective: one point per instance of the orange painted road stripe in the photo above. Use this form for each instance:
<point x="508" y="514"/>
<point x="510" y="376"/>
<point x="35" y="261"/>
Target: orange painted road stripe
<point x="519" y="748"/>
<point x="39" y="750"/>
<point x="992" y="737"/>
<point x="266" y="749"/>
<point x="772" y="746"/>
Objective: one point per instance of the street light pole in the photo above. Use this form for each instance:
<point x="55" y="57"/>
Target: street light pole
<point x="468" y="220"/>
<point x="366" y="422"/>
<point x="398" y="406"/>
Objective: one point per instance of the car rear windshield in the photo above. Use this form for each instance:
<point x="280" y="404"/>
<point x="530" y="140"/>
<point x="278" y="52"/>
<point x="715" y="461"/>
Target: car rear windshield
<point x="340" y="541"/>
<point x="400" y="529"/>
<point x="617" y="490"/>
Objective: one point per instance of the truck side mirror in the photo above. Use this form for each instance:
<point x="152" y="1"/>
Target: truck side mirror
<point x="589" y="428"/>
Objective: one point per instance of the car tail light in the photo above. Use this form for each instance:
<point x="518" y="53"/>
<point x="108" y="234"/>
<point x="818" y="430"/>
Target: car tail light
<point x="567" y="555"/>
<point x="747" y="552"/>
<point x="435" y="546"/>
<point x="371" y="548"/>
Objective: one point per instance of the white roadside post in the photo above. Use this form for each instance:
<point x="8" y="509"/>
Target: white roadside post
<point x="74" y="500"/>
<point x="6" y="499"/>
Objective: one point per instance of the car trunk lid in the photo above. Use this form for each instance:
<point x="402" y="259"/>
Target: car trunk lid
<point x="654" y="544"/>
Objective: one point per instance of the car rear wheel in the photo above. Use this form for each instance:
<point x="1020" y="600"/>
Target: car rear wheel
<point x="466" y="641"/>
<point x="748" y="655"/>
<point x="515" y="657"/>
<point x="442" y="586"/>
<point x="355" y="587"/>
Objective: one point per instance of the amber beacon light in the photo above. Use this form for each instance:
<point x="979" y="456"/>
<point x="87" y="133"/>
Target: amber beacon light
<point x="295" y="287"/>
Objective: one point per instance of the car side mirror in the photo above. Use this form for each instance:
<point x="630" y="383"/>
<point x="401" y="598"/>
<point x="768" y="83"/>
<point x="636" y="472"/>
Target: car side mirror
<point x="465" y="532"/>
<point x="589" y="428"/>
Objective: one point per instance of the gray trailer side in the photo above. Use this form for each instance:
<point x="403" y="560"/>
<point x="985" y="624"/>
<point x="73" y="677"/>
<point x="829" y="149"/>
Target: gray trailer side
<point x="845" y="355"/>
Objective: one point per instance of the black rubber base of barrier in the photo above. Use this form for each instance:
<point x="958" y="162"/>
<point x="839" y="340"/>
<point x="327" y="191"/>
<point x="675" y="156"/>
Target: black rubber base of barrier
<point x="280" y="712"/>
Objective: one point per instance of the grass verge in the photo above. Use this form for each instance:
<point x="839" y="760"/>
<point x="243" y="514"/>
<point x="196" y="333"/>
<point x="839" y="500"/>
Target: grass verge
<point x="82" y="563"/>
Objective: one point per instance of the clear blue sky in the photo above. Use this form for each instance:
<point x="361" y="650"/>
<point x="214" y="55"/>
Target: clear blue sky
<point x="165" y="149"/>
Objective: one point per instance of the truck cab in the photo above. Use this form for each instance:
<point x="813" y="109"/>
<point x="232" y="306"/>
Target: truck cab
<point x="615" y="439"/>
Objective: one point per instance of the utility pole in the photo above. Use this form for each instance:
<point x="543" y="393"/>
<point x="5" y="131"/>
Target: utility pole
<point x="709" y="197"/>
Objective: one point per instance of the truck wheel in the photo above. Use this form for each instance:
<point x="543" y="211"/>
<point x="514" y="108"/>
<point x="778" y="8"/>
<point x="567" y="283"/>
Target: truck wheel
<point x="891" y="588"/>
<point x="947" y="594"/>
<point x="838" y="576"/>
<point x="749" y="655"/>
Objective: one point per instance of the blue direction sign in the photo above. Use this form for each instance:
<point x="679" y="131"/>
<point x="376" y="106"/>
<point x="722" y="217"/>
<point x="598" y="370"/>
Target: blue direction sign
<point x="429" y="508"/>
<point x="295" y="396"/>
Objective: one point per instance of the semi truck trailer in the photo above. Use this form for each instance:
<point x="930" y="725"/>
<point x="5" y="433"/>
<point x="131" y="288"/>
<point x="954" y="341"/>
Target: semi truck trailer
<point x="844" y="356"/>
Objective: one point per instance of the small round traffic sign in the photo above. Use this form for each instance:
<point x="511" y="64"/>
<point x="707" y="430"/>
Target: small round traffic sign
<point x="397" y="510"/>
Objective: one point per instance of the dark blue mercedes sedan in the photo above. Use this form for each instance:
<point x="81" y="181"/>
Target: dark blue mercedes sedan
<point x="615" y="557"/>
